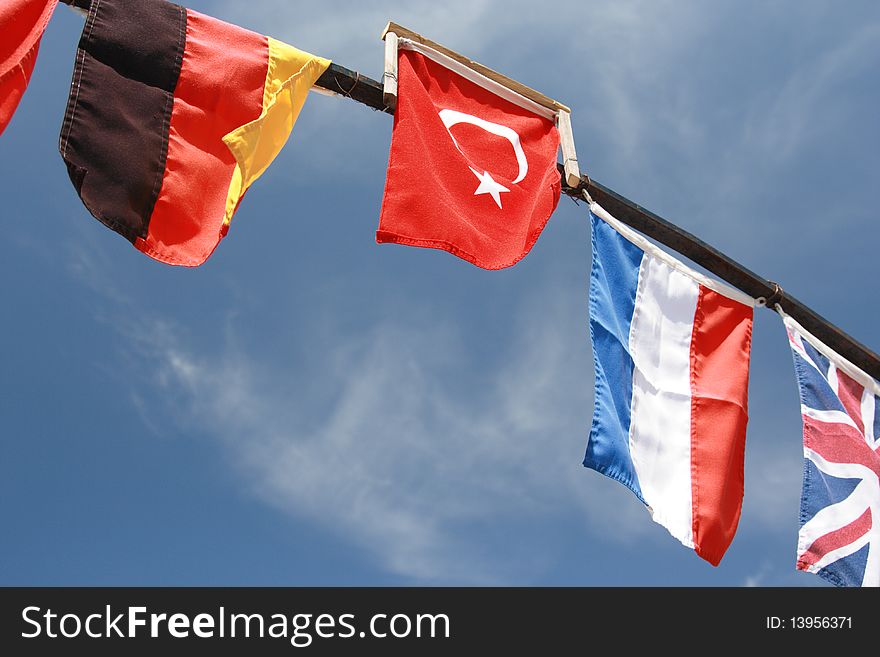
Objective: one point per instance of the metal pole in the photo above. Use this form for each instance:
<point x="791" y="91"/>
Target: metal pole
<point x="369" y="92"/>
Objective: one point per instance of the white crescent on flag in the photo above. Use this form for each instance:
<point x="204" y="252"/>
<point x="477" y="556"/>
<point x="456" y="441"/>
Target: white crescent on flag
<point x="488" y="185"/>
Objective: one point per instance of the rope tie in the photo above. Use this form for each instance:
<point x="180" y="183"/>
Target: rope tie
<point x="347" y="93"/>
<point x="773" y="300"/>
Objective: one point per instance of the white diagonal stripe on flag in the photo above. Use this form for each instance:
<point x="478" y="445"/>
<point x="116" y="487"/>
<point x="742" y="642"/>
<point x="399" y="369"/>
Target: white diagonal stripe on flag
<point x="868" y="411"/>
<point x="832" y="417"/>
<point x="841" y="470"/>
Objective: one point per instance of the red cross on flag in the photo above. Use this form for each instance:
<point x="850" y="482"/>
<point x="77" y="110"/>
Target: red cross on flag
<point x="472" y="168"/>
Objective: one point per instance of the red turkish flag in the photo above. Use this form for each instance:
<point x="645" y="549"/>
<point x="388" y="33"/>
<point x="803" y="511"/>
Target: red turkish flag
<point x="469" y="172"/>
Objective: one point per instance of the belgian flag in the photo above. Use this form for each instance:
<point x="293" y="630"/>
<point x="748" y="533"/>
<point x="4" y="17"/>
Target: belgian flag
<point x="172" y="116"/>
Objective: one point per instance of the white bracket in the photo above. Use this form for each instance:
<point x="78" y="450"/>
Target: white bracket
<point x="569" y="155"/>
<point x="389" y="77"/>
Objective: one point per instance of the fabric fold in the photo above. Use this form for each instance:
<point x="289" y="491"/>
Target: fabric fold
<point x="671" y="349"/>
<point x="172" y="116"/>
<point x="291" y="73"/>
<point x="472" y="167"/>
<point x="839" y="535"/>
<point x="22" y="23"/>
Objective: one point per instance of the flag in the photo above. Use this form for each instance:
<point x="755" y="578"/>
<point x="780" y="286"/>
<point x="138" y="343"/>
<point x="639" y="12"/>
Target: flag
<point x="172" y="116"/>
<point x="22" y="23"/>
<point x="839" y="537"/>
<point x="671" y="350"/>
<point x="472" y="168"/>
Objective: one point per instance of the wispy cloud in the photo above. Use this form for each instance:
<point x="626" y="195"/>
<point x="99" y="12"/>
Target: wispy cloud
<point x="408" y="455"/>
<point x="766" y="574"/>
<point x="784" y="119"/>
<point x="391" y="438"/>
<point x="759" y="576"/>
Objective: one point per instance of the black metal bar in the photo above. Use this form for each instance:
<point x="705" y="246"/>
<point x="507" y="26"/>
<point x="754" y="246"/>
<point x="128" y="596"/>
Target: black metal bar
<point x="729" y="270"/>
<point x="353" y="85"/>
<point x="369" y="92"/>
<point x="82" y="4"/>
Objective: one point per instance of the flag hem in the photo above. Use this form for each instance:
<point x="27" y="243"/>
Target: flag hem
<point x="853" y="370"/>
<point x="27" y="47"/>
<point x="477" y="78"/>
<point x="653" y="250"/>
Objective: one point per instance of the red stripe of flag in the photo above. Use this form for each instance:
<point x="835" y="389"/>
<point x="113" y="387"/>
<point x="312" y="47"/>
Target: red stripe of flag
<point x="850" y="394"/>
<point x="839" y="443"/>
<point x="220" y="88"/>
<point x="835" y="540"/>
<point x="720" y="347"/>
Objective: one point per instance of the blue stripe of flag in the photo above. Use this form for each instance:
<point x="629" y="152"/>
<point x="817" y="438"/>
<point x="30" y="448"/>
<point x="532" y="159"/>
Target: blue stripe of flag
<point x="816" y="392"/>
<point x="613" y="282"/>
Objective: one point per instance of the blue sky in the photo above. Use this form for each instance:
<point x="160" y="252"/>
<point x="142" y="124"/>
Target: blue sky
<point x="310" y="408"/>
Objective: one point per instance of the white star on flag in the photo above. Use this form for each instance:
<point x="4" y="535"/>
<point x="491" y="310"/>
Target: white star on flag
<point x="489" y="186"/>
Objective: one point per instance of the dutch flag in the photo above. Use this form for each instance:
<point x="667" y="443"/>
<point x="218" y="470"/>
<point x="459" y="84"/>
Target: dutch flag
<point x="671" y="348"/>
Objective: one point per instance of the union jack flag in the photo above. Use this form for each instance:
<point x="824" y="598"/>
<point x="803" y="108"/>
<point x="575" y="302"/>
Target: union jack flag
<point x="839" y="538"/>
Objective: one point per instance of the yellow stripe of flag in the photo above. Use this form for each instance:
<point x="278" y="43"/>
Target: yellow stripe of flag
<point x="290" y="75"/>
